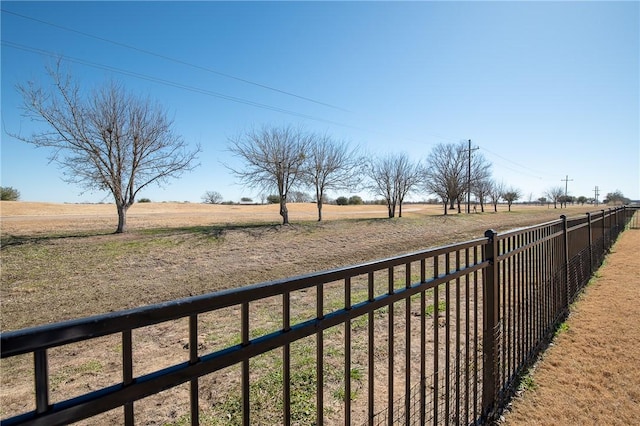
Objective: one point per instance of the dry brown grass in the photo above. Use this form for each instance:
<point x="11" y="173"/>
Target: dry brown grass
<point x="591" y="374"/>
<point x="62" y="261"/>
<point x="66" y="253"/>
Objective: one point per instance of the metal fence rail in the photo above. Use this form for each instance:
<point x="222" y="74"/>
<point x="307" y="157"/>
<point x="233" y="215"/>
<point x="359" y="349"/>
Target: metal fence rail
<point x="439" y="336"/>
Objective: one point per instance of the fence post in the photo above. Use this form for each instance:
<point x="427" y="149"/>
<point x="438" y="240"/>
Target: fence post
<point x="604" y="243"/>
<point x="590" y="244"/>
<point x="491" y="327"/>
<point x="565" y="232"/>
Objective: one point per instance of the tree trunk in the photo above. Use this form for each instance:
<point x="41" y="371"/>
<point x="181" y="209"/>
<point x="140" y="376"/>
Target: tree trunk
<point x="446" y="203"/>
<point x="283" y="211"/>
<point x="392" y="209"/>
<point x="319" y="198"/>
<point x="122" y="218"/>
<point x="400" y="209"/>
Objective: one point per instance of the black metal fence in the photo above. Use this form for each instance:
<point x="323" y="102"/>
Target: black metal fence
<point x="439" y="336"/>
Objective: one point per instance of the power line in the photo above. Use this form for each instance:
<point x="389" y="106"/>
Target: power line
<point x="168" y="83"/>
<point x="205" y="91"/>
<point x="178" y="61"/>
<point x="516" y="164"/>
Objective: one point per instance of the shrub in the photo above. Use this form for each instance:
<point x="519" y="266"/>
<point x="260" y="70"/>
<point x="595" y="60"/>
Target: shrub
<point x="355" y="200"/>
<point x="273" y="199"/>
<point x="8" y="193"/>
<point x="342" y="201"/>
<point x="144" y="200"/>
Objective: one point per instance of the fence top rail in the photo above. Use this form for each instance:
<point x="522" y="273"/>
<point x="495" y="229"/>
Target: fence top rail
<point x="517" y="231"/>
<point x="578" y="218"/>
<point x="51" y="335"/>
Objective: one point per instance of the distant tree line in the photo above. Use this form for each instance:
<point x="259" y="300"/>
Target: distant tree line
<point x="110" y="139"/>
<point x="285" y="161"/>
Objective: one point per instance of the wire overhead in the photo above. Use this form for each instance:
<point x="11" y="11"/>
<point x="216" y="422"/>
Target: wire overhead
<point x="211" y="93"/>
<point x="178" y="61"/>
<point x="167" y="82"/>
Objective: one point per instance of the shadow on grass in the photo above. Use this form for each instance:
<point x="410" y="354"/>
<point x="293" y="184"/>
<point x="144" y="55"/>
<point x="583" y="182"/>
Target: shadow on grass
<point x="216" y="231"/>
<point x="211" y="231"/>
<point x="15" y="240"/>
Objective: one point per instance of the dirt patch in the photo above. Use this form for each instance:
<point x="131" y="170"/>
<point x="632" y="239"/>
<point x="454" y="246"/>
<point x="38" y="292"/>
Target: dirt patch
<point x="590" y="374"/>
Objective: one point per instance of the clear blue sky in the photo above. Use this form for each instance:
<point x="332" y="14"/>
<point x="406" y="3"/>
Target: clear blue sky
<point x="544" y="89"/>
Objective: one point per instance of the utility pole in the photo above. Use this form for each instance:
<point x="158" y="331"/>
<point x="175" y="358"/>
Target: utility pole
<point x="566" y="185"/>
<point x="469" y="178"/>
<point x="596" y="191"/>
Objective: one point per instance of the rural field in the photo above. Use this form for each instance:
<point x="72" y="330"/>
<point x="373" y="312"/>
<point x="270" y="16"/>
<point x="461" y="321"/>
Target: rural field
<point x="62" y="261"/>
<point x="65" y="257"/>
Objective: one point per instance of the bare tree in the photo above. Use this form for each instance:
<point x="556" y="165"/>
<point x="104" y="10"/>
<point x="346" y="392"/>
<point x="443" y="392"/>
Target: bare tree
<point x="212" y="197"/>
<point x="273" y="160"/>
<point x="408" y="177"/>
<point x="331" y="165"/>
<point x="480" y="176"/>
<point x="616" y="197"/>
<point x="496" y="192"/>
<point x="299" y="197"/>
<point x="381" y="174"/>
<point x="109" y="140"/>
<point x="393" y="177"/>
<point x="511" y="195"/>
<point x="555" y="194"/>
<point x="444" y="173"/>
<point x="480" y="188"/>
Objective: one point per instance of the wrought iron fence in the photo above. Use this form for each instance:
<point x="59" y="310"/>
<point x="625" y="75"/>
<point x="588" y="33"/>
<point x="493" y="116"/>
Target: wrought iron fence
<point x="439" y="336"/>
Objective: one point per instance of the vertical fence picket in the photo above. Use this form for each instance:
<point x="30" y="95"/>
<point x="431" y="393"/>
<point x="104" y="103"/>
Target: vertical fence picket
<point x="447" y="340"/>
<point x="390" y="350"/>
<point x="193" y="358"/>
<point x="423" y="344"/>
<point x="246" y="406"/>
<point x="436" y="345"/>
<point x="41" y="372"/>
<point x="347" y="355"/>
<point x="286" y="359"/>
<point x="320" y="357"/>
<point x="407" y="346"/>
<point x="127" y="373"/>
<point x="370" y="352"/>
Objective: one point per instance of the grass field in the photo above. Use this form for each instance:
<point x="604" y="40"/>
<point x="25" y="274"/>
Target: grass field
<point x="67" y="254"/>
<point x="63" y="261"/>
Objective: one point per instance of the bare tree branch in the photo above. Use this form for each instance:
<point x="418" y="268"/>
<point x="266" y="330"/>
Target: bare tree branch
<point x="273" y="157"/>
<point x="109" y="140"/>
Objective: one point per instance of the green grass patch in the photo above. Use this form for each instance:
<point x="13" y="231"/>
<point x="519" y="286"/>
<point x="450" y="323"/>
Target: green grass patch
<point x="71" y="373"/>
<point x="527" y="383"/>
<point x="562" y="328"/>
<point x="430" y="309"/>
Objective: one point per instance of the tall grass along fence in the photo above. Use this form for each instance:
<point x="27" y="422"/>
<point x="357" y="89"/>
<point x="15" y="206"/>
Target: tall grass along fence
<point x="440" y="336"/>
